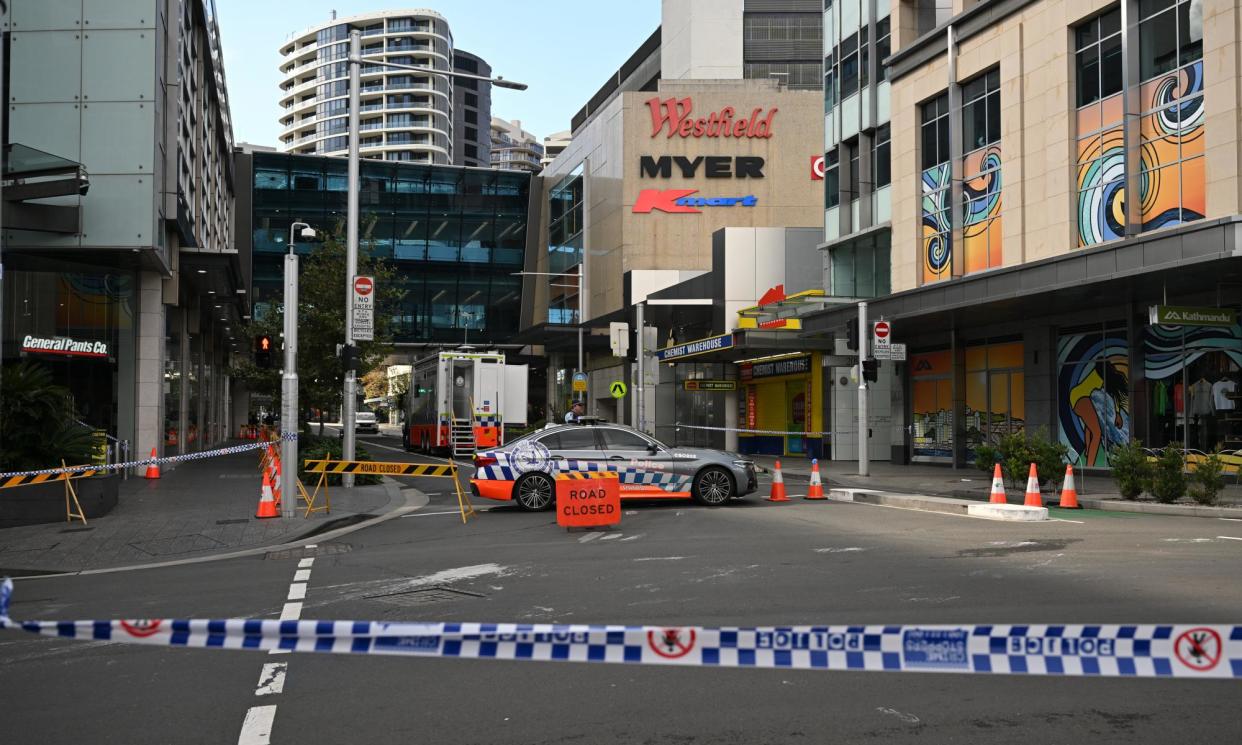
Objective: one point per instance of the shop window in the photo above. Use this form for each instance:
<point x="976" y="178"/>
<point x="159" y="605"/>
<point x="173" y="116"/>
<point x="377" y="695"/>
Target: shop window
<point x="1193" y="380"/>
<point x="1171" y="137"/>
<point x="931" y="384"/>
<point x="1093" y="392"/>
<point x="936" y="245"/>
<point x="981" y="173"/>
<point x="995" y="394"/>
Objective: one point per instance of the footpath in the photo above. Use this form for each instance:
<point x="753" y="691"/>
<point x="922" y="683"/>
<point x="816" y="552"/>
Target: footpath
<point x="200" y="508"/>
<point x="1095" y="491"/>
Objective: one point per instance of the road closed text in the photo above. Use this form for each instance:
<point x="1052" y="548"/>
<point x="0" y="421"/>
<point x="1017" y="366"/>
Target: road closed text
<point x="583" y="502"/>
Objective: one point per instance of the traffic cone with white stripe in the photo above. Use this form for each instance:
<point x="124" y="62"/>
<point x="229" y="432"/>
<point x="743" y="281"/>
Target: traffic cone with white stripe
<point x="153" y="469"/>
<point x="276" y="481"/>
<point x="778" y="486"/>
<point x="998" y="487"/>
<point x="267" y="502"/>
<point x="1069" y="494"/>
<point x="816" y="489"/>
<point x="1033" y="497"/>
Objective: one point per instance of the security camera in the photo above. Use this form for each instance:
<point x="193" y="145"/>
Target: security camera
<point x="308" y="234"/>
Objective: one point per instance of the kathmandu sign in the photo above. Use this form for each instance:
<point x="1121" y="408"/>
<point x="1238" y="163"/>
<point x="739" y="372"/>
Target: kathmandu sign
<point x="1178" y="315"/>
<point x="64" y="345"/>
<point x="681" y="201"/>
<point x="677" y="115"/>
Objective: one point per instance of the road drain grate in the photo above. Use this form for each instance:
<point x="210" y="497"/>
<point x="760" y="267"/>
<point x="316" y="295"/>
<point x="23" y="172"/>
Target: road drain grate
<point x="305" y="552"/>
<point x="426" y="596"/>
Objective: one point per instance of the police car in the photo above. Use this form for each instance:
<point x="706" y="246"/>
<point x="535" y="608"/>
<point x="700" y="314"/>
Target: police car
<point x="523" y="471"/>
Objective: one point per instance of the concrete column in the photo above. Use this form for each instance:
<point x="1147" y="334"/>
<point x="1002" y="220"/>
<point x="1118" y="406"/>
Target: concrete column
<point x="149" y="366"/>
<point x="730" y="421"/>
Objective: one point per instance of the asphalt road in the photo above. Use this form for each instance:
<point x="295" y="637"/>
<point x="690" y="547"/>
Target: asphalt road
<point x="747" y="564"/>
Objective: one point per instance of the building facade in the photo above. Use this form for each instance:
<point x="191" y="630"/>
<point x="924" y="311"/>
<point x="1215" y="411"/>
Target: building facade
<point x="1032" y="294"/>
<point x="513" y="148"/>
<point x="404" y="115"/>
<point x="122" y="276"/>
<point x="472" y="111"/>
<point x="553" y="145"/>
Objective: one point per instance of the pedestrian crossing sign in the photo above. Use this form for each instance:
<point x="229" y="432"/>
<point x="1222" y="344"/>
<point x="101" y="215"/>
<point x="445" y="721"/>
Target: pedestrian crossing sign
<point x="617" y="389"/>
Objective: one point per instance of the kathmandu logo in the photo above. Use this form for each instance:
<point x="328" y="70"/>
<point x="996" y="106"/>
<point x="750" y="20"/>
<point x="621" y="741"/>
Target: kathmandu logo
<point x="679" y="200"/>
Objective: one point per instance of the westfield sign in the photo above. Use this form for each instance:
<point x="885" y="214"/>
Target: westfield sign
<point x="677" y="115"/>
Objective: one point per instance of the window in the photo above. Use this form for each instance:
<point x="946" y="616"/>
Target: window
<point x="471" y="99"/>
<point x="831" y="97"/>
<point x="883" y="48"/>
<point x="935" y="131"/>
<point x="981" y="111"/>
<point x="937" y="231"/>
<point x="851" y="174"/>
<point x="577" y="438"/>
<point x="471" y="151"/>
<point x="849" y="66"/>
<point x="1098" y="57"/>
<point x="1170" y="35"/>
<point x="863" y="61"/>
<point x="881" y="162"/>
<point x="1100" y="151"/>
<point x="832" y="179"/>
<point x="619" y="439"/>
<point x="981" y="173"/>
<point x="860" y="267"/>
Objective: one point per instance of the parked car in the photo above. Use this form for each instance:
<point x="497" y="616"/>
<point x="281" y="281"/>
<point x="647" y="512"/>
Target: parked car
<point x="364" y="421"/>
<point x="523" y="470"/>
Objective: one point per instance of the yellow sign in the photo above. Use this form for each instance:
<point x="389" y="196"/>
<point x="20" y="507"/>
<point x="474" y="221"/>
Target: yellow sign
<point x="617" y="389"/>
<point x="326" y="467"/>
<point x="580" y="382"/>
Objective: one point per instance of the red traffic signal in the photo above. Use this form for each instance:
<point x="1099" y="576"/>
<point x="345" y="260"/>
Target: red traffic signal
<point x="263" y="351"/>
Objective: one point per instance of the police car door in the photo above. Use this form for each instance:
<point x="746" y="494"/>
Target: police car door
<point x="576" y="449"/>
<point x="644" y="467"/>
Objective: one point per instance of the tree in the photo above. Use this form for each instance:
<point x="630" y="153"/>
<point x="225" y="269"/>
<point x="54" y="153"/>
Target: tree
<point x="321" y="327"/>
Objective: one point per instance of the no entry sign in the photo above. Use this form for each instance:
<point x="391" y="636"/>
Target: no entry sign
<point x="363" y="309"/>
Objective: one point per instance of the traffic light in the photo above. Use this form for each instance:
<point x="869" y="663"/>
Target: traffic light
<point x="349" y="356"/>
<point x="851" y="333"/>
<point x="871" y="370"/>
<point x="263" y="351"/>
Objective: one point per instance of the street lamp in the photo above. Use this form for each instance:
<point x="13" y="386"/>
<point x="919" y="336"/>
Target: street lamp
<point x="289" y="378"/>
<point x="351" y="220"/>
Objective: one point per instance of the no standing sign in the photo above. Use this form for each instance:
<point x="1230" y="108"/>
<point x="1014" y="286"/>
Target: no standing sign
<point x="364" y="309"/>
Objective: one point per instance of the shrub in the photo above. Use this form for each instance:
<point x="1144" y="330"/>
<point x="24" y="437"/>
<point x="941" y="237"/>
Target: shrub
<point x="1131" y="470"/>
<point x="1017" y="451"/>
<point x="313" y="447"/>
<point x="40" y="426"/>
<point x="1207" y="480"/>
<point x="1168" y="481"/>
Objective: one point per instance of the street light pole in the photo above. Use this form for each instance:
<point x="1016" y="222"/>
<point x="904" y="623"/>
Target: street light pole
<point x="289" y="379"/>
<point x="349" y="404"/>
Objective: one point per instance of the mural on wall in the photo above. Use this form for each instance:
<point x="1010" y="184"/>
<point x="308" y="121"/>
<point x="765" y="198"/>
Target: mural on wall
<point x="937" y="243"/>
<point x="1093" y="395"/>
<point x="1101" y="172"/>
<point x="1172" y="176"/>
<point x="981" y="194"/>
<point x="1166" y="351"/>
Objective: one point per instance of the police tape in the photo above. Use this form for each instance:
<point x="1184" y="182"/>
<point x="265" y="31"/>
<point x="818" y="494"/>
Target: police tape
<point x="754" y="431"/>
<point x="1138" y="651"/>
<point x="232" y="449"/>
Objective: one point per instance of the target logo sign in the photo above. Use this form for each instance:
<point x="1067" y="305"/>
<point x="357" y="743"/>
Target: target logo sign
<point x="817" y="168"/>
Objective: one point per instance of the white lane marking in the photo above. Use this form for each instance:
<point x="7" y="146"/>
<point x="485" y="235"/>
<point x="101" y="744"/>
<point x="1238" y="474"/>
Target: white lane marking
<point x="633" y="537"/>
<point x="272" y="679"/>
<point x="311" y="545"/>
<point x="306" y="563"/>
<point x="1187" y="540"/>
<point x="1229" y="537"/>
<point x="1063" y="520"/>
<point x="1231" y="519"/>
<point x="589" y="537"/>
<point x="907" y="718"/>
<point x="301" y="575"/>
<point x="610" y="536"/>
<point x="297" y="591"/>
<point x="291" y="612"/>
<point x="835" y="550"/>
<point x="661" y="558"/>
<point x="431" y="514"/>
<point x="257" y="728"/>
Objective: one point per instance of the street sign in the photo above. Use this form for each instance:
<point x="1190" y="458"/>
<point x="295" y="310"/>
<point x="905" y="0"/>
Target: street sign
<point x="1180" y="315"/>
<point x="364" y="309"/>
<point x="580" y="382"/>
<point x="617" y="389"/>
<point x="881" y="334"/>
<point x="619" y="338"/>
<point x="711" y="385"/>
<point x="894" y="352"/>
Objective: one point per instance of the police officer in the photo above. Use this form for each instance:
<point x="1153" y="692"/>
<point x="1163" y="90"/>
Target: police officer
<point x="574" y="412"/>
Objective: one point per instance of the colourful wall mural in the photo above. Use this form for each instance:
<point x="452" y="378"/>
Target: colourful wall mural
<point x="1167" y="349"/>
<point x="1101" y="172"/>
<point x="1171" y="176"/>
<point x="1093" y="395"/>
<point x="981" y="195"/>
<point x="937" y="233"/>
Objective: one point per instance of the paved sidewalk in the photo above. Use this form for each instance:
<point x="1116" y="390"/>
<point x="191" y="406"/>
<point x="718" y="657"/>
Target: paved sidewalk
<point x="943" y="481"/>
<point x="200" y="508"/>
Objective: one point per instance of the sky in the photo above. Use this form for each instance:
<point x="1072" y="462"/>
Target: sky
<point x="563" y="49"/>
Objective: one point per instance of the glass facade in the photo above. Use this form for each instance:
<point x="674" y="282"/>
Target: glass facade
<point x="565" y="243"/>
<point x="455" y="235"/>
<point x="981" y="173"/>
<point x="937" y="248"/>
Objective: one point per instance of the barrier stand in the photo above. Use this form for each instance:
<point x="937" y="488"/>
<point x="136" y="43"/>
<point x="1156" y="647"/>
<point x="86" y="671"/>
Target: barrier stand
<point x="310" y="497"/>
<point x="71" y="493"/>
<point x="327" y="467"/>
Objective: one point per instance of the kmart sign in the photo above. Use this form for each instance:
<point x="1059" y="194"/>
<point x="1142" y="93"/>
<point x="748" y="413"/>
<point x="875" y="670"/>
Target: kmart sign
<point x="1181" y="315"/>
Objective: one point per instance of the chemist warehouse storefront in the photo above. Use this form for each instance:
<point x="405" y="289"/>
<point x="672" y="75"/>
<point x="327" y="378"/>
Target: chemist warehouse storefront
<point x="1101" y="347"/>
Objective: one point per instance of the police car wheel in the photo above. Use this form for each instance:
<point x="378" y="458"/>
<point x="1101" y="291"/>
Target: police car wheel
<point x="534" y="492"/>
<point x="713" y="487"/>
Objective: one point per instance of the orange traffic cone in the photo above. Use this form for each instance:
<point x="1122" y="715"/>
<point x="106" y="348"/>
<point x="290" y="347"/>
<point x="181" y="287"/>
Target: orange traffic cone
<point x="153" y="469"/>
<point x="1069" y="495"/>
<point x="816" y="490"/>
<point x="267" y="503"/>
<point x="998" y="487"/>
<point x="1033" y="497"/>
<point x="778" y="486"/>
<point x="276" y="481"/>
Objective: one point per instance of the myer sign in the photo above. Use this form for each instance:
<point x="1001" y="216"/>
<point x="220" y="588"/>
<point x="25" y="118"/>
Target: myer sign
<point x="1180" y="315"/>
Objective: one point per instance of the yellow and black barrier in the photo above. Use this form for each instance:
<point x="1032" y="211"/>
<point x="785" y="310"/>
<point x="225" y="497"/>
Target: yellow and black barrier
<point x="71" y="494"/>
<point x="326" y="467"/>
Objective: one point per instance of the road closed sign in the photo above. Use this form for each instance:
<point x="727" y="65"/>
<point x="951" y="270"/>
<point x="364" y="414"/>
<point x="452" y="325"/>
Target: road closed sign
<point x="363" y="309"/>
<point x="583" y="502"/>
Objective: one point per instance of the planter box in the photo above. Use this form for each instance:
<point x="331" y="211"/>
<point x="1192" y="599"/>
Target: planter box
<point x="45" y="503"/>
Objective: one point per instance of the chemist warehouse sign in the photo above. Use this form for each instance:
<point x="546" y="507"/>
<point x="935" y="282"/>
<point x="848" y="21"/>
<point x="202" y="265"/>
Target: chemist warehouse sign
<point x="677" y="118"/>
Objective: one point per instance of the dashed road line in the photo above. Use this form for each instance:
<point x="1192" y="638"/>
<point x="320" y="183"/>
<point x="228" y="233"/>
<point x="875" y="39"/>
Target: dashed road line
<point x="297" y="591"/>
<point x="589" y="537"/>
<point x="257" y="727"/>
<point x="272" y="679"/>
<point x="611" y="536"/>
<point x="1229" y="537"/>
<point x="291" y="612"/>
<point x="301" y="575"/>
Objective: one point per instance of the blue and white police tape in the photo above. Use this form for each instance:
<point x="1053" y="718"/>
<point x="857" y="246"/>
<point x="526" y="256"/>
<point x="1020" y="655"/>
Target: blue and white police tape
<point x="232" y="449"/>
<point x="1142" y="651"/>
